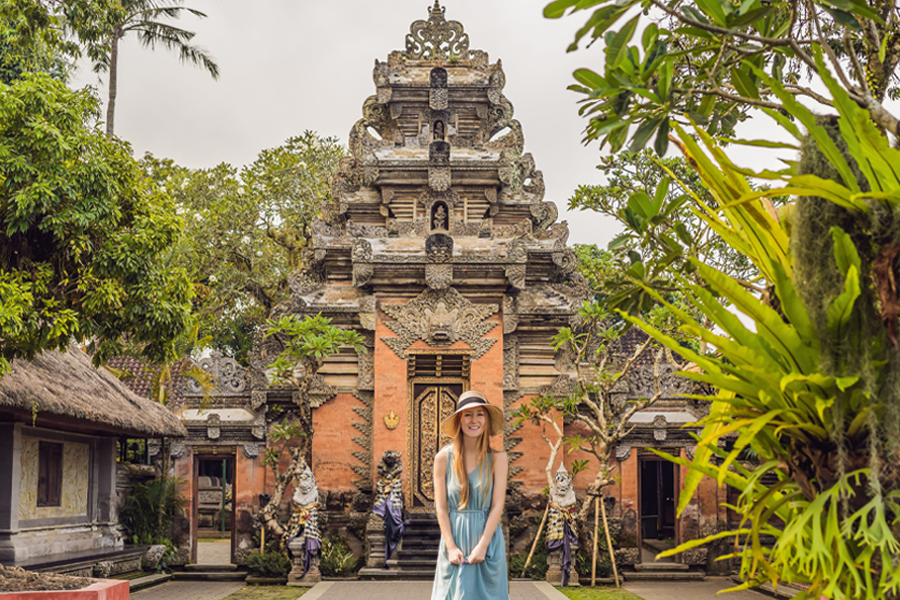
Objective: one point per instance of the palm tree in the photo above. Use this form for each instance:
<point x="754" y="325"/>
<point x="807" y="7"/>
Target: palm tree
<point x="141" y="17"/>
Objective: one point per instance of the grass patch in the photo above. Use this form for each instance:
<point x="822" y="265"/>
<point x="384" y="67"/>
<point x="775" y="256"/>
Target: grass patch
<point x="598" y="593"/>
<point x="267" y="592"/>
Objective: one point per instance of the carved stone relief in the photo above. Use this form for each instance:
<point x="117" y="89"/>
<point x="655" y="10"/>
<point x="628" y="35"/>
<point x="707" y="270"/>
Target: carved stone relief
<point x="436" y="37"/>
<point x="365" y="427"/>
<point x="251" y="450"/>
<point x="544" y="214"/>
<point x="366" y="362"/>
<point x="440" y="318"/>
<point x="515" y="274"/>
<point x="510" y="314"/>
<point x="510" y="362"/>
<point x="213" y="427"/>
<point x="229" y="377"/>
<point x="623" y="452"/>
<point x="438" y="248"/>
<point x="438" y="277"/>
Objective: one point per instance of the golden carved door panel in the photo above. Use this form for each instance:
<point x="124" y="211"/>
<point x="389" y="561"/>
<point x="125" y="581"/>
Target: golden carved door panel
<point x="430" y="404"/>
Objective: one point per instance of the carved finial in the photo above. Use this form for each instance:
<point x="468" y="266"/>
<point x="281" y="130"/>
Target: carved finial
<point x="436" y="38"/>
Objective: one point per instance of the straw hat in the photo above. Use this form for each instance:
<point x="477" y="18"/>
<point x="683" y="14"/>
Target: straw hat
<point x="469" y="400"/>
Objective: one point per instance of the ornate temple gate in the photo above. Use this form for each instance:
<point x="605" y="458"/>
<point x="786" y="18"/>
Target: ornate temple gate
<point x="436" y="379"/>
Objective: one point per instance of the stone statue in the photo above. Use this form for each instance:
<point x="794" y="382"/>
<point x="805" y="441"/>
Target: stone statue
<point x="440" y="217"/>
<point x="389" y="500"/>
<point x="561" y="532"/>
<point x="304" y="540"/>
<point x="438" y="131"/>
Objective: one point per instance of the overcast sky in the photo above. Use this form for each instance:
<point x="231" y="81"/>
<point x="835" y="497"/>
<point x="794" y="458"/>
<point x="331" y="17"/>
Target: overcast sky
<point x="292" y="65"/>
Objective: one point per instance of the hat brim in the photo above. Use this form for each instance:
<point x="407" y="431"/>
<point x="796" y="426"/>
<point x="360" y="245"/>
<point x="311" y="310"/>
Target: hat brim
<point x="451" y="423"/>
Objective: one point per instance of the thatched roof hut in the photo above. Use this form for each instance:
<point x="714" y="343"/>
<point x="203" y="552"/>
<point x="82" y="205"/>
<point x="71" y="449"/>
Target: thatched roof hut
<point x="66" y="391"/>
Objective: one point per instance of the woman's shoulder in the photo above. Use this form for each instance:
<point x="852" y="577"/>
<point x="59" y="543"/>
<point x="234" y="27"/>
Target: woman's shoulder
<point x="443" y="454"/>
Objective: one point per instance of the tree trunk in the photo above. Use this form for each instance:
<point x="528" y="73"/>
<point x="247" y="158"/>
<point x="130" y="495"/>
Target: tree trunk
<point x="269" y="514"/>
<point x="113" y="78"/>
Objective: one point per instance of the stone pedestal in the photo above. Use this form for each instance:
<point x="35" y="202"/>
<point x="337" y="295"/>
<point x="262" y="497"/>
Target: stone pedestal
<point x="554" y="569"/>
<point x="296" y="577"/>
<point x="375" y="542"/>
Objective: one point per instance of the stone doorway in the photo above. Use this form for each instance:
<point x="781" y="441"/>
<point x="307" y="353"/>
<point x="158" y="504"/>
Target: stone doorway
<point x="213" y="522"/>
<point x="658" y="493"/>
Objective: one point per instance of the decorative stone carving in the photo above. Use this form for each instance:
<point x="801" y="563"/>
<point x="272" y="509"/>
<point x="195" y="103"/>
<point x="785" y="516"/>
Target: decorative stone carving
<point x="515" y="275"/>
<point x="389" y="500"/>
<point x="364" y="469"/>
<point x="230" y="377"/>
<point x="557" y="231"/>
<point x="258" y="430"/>
<point x="439" y="166"/>
<point x="438" y="96"/>
<point x="438" y="277"/>
<point x="362" y="274"/>
<point x="544" y="214"/>
<point x="213" y="429"/>
<point x="690" y="452"/>
<point x="257" y="398"/>
<point x="318" y="392"/>
<point x="623" y="452"/>
<point x="151" y="558"/>
<point x="440" y="318"/>
<point x="153" y="447"/>
<point x="438" y="248"/>
<point x="510" y="362"/>
<point x="437" y="37"/>
<point x="564" y="258"/>
<point x="366" y="364"/>
<point x="251" y="450"/>
<point x="510" y="314"/>
<point x="177" y="449"/>
<point x="366" y="231"/>
<point x="562" y="386"/>
<point x="562" y="534"/>
<point x="303" y="530"/>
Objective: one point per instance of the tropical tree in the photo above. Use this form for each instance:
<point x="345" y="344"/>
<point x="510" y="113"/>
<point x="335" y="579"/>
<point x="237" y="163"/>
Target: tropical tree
<point x="811" y="385"/>
<point x="246" y="230"/>
<point x="307" y="343"/>
<point x="82" y="232"/>
<point x="147" y="19"/>
<point x="709" y="61"/>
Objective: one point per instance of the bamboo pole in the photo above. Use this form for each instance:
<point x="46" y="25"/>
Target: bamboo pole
<point x="596" y="535"/>
<point x="536" y="538"/>
<point x="609" y="546"/>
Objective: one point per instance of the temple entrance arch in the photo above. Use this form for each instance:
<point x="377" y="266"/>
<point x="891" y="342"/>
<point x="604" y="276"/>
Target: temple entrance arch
<point x="436" y="379"/>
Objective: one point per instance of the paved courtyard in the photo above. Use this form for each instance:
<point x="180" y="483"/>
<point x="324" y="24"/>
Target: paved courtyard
<point x="421" y="590"/>
<point x="189" y="590"/>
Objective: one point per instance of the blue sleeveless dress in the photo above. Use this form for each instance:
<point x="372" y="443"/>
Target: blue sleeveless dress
<point x="483" y="581"/>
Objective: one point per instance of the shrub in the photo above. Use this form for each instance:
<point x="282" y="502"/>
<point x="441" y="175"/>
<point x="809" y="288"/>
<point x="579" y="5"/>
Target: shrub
<point x="537" y="568"/>
<point x="147" y="513"/>
<point x="337" y="558"/>
<point x="268" y="564"/>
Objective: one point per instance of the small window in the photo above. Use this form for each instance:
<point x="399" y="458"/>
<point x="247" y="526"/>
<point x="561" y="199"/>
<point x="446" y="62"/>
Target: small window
<point x="49" y="474"/>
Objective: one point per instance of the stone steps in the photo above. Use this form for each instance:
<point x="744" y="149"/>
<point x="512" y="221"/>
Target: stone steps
<point x="665" y="576"/>
<point x="210" y="568"/>
<point x="141" y="583"/>
<point x="660" y="567"/>
<point x="210" y="573"/>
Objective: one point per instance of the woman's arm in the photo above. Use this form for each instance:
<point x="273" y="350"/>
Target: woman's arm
<point x="443" y="512"/>
<point x="498" y="499"/>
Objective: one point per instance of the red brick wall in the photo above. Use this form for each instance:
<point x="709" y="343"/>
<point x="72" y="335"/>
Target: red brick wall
<point x="333" y="444"/>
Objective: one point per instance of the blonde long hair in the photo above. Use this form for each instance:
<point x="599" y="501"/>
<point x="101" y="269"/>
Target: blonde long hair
<point x="459" y="463"/>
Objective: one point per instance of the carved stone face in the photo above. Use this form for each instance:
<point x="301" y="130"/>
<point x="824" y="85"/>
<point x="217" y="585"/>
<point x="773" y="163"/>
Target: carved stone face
<point x="306" y="491"/>
<point x="562" y="491"/>
<point x="440" y="323"/>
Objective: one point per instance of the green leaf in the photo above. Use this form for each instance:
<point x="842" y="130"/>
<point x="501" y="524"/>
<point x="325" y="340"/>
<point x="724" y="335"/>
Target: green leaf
<point x="643" y="133"/>
<point x="845" y="253"/>
<point x="841" y="308"/>
<point x="662" y="139"/>
<point x="619" y="42"/>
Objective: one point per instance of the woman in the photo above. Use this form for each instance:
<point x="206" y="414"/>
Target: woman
<point x="469" y="493"/>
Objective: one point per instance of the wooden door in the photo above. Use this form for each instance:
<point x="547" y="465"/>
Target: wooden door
<point x="431" y="403"/>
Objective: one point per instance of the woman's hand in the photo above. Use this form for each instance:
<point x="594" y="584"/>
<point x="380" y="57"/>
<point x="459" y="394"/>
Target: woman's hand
<point x="456" y="556"/>
<point x="477" y="555"/>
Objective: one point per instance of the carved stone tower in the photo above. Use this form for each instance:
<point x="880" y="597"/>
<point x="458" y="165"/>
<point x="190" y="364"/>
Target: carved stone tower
<point x="439" y="248"/>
